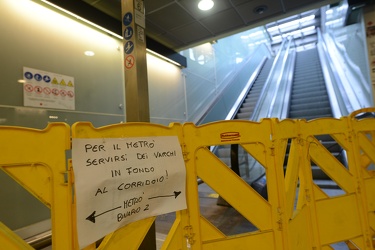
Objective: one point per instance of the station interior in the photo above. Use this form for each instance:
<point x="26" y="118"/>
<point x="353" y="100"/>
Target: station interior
<point x="241" y="60"/>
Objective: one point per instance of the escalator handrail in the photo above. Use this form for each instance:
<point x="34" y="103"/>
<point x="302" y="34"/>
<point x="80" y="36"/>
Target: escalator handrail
<point x="338" y="100"/>
<point x="289" y="77"/>
<point x="281" y="99"/>
<point x="353" y="69"/>
<point x="251" y="59"/>
<point x="236" y="106"/>
<point x="278" y="65"/>
<point x="355" y="99"/>
<point x="278" y="62"/>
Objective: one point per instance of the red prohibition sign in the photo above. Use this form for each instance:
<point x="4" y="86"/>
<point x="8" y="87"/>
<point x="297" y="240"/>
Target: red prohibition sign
<point x="38" y="89"/>
<point x="55" y="92"/>
<point x="129" y="61"/>
<point x="70" y="93"/>
<point x="63" y="93"/>
<point x="47" y="90"/>
<point x="29" y="88"/>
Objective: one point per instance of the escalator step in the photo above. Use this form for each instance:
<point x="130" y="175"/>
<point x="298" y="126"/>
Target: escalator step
<point x="254" y="92"/>
<point x="309" y="94"/>
<point x="257" y="87"/>
<point x="332" y="146"/>
<point x="306" y="77"/>
<point x="309" y="97"/>
<point x="308" y="72"/>
<point x="319" y="112"/>
<point x="324" y="137"/>
<point x="243" y="116"/>
<point x="249" y="103"/>
<point x="315" y="99"/>
<point x="309" y="89"/>
<point x="252" y="97"/>
<point x="309" y="100"/>
<point x="313" y="105"/>
<point x="246" y="109"/>
<point x="307" y="117"/>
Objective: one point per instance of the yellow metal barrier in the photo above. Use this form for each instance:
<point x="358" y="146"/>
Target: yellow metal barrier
<point x="36" y="160"/>
<point x="298" y="214"/>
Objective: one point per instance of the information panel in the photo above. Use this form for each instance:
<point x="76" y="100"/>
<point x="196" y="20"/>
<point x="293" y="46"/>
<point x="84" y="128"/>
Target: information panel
<point x="122" y="180"/>
<point x="48" y="90"/>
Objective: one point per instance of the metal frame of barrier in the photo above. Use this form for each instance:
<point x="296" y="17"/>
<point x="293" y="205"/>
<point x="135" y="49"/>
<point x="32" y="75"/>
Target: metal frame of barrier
<point x="297" y="214"/>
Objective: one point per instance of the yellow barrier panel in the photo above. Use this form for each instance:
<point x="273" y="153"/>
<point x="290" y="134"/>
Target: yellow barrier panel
<point x="339" y="218"/>
<point x="317" y="220"/>
<point x="9" y="240"/>
<point x="364" y="167"/>
<point x="298" y="213"/>
<point x="231" y="187"/>
<point x="131" y="235"/>
<point x="36" y="160"/>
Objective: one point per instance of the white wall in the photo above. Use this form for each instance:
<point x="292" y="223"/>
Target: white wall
<point x="38" y="37"/>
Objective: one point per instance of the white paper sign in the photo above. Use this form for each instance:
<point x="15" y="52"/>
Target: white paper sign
<point x="122" y="180"/>
<point x="48" y="90"/>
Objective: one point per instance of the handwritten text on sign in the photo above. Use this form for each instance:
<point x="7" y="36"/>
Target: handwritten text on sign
<point x="122" y="180"/>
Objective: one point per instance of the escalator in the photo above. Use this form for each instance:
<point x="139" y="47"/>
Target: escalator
<point x="310" y="100"/>
<point x="247" y="107"/>
<point x="245" y="111"/>
<point x="253" y="108"/>
<point x="235" y="156"/>
<point x="309" y="97"/>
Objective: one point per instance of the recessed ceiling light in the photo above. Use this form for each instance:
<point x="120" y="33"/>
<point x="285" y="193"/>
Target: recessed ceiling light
<point x="205" y="4"/>
<point x="89" y="53"/>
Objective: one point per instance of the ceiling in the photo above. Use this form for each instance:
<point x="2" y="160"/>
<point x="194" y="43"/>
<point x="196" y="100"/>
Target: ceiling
<point x="179" y="24"/>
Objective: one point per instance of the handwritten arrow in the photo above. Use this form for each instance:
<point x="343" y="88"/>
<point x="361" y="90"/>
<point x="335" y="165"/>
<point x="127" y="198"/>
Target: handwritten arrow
<point x="175" y="194"/>
<point x="92" y="216"/>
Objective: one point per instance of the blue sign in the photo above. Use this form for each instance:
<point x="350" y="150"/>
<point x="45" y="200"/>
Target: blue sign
<point x="28" y="75"/>
<point x="128" y="48"/>
<point x="46" y="78"/>
<point x="38" y="77"/>
<point x="128" y="33"/>
<point x="128" y="18"/>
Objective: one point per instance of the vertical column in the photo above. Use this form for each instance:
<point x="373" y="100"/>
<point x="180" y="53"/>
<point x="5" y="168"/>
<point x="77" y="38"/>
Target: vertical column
<point x="135" y="67"/>
<point x="136" y="83"/>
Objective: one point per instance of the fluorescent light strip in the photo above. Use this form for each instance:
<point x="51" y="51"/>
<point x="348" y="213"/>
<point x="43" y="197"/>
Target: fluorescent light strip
<point x="291" y="23"/>
<point x="298" y="33"/>
<point x="105" y="30"/>
<point x="335" y="22"/>
<point x="163" y="57"/>
<point x="82" y="19"/>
